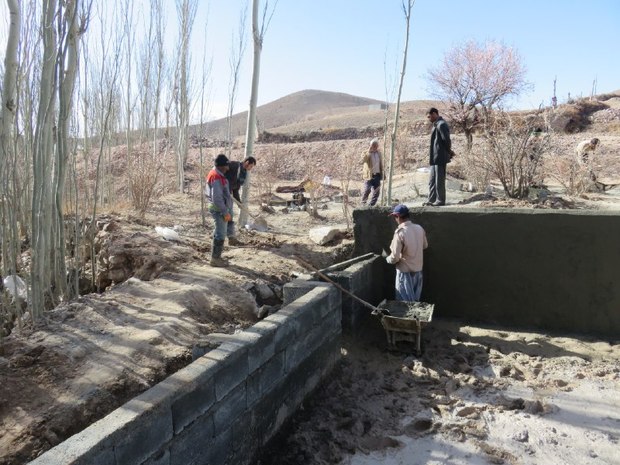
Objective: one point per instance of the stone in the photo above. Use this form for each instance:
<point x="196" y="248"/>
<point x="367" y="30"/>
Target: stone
<point x="521" y="436"/>
<point x="324" y="234"/>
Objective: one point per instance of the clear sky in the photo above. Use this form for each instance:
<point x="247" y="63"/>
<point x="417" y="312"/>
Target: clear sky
<point x="341" y="45"/>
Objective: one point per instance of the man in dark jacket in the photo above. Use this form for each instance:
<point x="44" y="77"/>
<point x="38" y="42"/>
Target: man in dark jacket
<point x="440" y="153"/>
<point x="236" y="174"/>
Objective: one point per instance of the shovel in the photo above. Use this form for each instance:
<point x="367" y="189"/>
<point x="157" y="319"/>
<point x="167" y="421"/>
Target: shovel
<point x="244" y="208"/>
<point x="375" y="310"/>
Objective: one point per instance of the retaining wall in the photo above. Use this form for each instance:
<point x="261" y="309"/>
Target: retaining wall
<point x="365" y="279"/>
<point x="221" y="408"/>
<point x="536" y="269"/>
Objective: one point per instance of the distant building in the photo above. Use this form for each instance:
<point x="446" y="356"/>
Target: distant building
<point x="377" y="106"/>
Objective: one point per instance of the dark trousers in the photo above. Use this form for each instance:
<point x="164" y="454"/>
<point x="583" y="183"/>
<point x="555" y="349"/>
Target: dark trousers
<point x="374" y="185"/>
<point x="437" y="184"/>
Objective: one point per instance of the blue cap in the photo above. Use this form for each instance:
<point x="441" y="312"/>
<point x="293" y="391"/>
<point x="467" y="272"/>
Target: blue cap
<point x="400" y="210"/>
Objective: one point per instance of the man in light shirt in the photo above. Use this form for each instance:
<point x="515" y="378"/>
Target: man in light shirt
<point x="407" y="255"/>
<point x="372" y="172"/>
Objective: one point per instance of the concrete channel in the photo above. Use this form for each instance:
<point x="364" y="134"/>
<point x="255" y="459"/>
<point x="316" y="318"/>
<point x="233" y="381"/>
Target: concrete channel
<point x="543" y="270"/>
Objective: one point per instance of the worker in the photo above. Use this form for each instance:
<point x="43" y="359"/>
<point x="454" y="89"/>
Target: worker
<point x="220" y="207"/>
<point x="406" y="249"/>
<point x="584" y="148"/>
<point x="236" y="175"/>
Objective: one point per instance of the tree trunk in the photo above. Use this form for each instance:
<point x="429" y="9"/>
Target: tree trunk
<point x="407" y="11"/>
<point x="68" y="72"/>
<point x="251" y="127"/>
<point x="8" y="110"/>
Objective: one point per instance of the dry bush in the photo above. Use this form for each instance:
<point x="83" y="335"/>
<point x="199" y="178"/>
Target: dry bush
<point x="565" y="169"/>
<point x="512" y="151"/>
<point x="314" y="173"/>
<point x="404" y="150"/>
<point x="146" y="168"/>
<point x="265" y="174"/>
<point x="346" y="171"/>
<point x="473" y="167"/>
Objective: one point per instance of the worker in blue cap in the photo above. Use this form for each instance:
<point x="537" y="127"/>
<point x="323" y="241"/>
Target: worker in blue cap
<point x="406" y="249"/>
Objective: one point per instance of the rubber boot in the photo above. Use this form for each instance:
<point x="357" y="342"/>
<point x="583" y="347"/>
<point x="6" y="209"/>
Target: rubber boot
<point x="232" y="240"/>
<point x="216" y="253"/>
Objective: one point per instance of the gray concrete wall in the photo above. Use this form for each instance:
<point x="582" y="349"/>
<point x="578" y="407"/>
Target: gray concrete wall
<point x="540" y="269"/>
<point x="226" y="404"/>
<point x="365" y="279"/>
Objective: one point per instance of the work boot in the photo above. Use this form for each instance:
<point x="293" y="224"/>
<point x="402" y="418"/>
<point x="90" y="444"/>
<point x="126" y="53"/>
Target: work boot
<point x="216" y="253"/>
<point x="218" y="262"/>
<point x="232" y="240"/>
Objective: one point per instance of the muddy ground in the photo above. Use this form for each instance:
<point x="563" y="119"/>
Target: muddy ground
<point x="476" y="396"/>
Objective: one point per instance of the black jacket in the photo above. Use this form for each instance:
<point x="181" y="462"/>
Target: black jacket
<point x="440" y="143"/>
<point x="236" y="177"/>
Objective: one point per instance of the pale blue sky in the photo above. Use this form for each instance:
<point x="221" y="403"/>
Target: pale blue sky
<point x="341" y="45"/>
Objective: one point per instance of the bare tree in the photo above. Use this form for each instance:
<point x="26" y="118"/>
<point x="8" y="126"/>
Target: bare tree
<point x="8" y="112"/>
<point x="346" y="170"/>
<point x="206" y="72"/>
<point x="186" y="10"/>
<point x="237" y="51"/>
<point x="477" y="77"/>
<point x="61" y="31"/>
<point x="258" y="35"/>
<point x="128" y="29"/>
<point x="390" y="90"/>
<point x="407" y="12"/>
<point x="514" y="150"/>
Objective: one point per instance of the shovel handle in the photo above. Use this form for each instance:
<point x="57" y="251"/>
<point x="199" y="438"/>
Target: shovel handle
<point x="329" y="280"/>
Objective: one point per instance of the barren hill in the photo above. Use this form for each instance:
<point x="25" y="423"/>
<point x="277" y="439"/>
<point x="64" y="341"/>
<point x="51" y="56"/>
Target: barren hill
<point x="313" y="110"/>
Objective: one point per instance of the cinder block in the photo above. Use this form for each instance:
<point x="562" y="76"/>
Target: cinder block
<point x="266" y="409"/>
<point x="233" y="370"/>
<point x="193" y="391"/>
<point x="230" y="408"/>
<point x="264" y="378"/>
<point x="306" y="313"/>
<point x="220" y="451"/>
<point x="149" y="426"/>
<point x="297" y="288"/>
<point x="246" y="441"/>
<point x="287" y="330"/>
<point x="296" y="353"/>
<point x="334" y="301"/>
<point x="190" y="447"/>
<point x="78" y="452"/>
<point x="264" y="346"/>
<point x="130" y="434"/>
<point x="161" y="458"/>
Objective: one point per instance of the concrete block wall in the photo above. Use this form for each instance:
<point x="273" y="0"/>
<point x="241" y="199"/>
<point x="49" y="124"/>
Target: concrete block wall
<point x="221" y="408"/>
<point x="534" y="269"/>
<point x="365" y="279"/>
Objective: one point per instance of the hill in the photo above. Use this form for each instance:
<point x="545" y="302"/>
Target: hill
<point x="314" y="110"/>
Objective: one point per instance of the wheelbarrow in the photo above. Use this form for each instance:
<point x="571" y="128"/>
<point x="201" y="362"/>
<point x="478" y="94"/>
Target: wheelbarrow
<point x="403" y="321"/>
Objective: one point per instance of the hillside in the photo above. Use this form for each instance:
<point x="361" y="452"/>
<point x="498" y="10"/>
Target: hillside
<point x="314" y="110"/>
